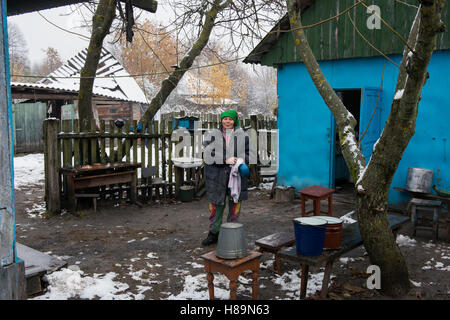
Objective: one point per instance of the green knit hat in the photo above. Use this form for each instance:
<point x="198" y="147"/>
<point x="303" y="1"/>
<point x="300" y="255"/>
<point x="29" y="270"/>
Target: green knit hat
<point x="232" y="114"/>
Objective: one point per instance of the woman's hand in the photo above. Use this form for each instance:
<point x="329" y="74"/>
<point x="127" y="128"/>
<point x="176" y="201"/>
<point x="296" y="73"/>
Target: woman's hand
<point x="231" y="160"/>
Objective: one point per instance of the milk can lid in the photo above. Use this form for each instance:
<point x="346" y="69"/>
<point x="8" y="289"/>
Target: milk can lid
<point x="331" y="220"/>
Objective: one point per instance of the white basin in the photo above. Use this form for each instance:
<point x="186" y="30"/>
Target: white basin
<point x="187" y="162"/>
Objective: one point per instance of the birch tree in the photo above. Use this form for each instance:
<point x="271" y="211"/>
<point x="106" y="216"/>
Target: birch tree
<point x="373" y="179"/>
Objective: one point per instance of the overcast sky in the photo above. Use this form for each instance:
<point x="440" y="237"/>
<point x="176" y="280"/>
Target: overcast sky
<point x="40" y="34"/>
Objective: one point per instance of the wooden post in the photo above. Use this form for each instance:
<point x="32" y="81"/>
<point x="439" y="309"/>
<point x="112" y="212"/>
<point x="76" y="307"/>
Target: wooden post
<point x="52" y="187"/>
<point x="254" y="174"/>
<point x="170" y="157"/>
<point x="12" y="269"/>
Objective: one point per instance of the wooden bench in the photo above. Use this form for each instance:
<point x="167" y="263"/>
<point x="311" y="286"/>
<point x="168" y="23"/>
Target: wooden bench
<point x="273" y="243"/>
<point x="351" y="239"/>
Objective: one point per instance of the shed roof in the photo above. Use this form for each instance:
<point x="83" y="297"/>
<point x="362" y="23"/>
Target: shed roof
<point x="112" y="81"/>
<point x="337" y="38"/>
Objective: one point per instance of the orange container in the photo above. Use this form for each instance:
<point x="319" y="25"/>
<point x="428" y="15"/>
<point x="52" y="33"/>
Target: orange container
<point x="333" y="233"/>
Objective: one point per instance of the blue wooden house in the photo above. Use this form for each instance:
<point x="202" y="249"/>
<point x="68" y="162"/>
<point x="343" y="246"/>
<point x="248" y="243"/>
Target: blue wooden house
<point x="309" y="152"/>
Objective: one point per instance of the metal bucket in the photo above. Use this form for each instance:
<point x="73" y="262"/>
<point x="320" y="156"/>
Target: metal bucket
<point x="309" y="235"/>
<point x="333" y="234"/>
<point x="231" y="243"/>
<point x="419" y="180"/>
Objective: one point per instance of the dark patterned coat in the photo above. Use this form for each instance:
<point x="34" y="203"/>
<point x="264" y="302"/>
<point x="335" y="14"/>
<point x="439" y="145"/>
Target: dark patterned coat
<point x="217" y="172"/>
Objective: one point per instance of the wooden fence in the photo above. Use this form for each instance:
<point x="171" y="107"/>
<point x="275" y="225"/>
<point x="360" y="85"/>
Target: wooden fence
<point x="27" y="118"/>
<point x="73" y="143"/>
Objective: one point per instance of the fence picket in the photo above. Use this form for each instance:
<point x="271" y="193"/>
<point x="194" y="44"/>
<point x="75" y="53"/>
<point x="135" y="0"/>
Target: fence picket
<point x="111" y="141"/>
<point x="155" y="123"/>
<point x="119" y="145"/>
<point x="67" y="146"/>
<point x="102" y="142"/>
<point x="76" y="143"/>
<point x="127" y="141"/>
<point x="93" y="142"/>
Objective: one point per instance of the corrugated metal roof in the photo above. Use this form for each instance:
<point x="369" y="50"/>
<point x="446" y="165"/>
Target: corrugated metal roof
<point x="118" y="84"/>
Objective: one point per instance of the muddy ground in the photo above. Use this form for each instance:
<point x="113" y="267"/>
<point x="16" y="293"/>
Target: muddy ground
<point x="119" y="239"/>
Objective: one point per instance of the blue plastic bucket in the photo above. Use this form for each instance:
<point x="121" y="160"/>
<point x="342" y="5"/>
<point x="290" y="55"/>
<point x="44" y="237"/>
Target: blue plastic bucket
<point x="309" y="235"/>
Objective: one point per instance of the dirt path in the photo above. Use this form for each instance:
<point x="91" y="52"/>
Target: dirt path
<point x="156" y="249"/>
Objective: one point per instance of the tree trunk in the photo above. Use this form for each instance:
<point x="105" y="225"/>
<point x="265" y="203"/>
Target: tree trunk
<point x="101" y="23"/>
<point x="169" y="84"/>
<point x="373" y="181"/>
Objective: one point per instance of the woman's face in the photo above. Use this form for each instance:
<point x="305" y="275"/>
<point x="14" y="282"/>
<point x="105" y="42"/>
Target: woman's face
<point x="228" y="122"/>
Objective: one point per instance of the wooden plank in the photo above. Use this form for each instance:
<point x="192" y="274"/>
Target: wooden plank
<point x="134" y="141"/>
<point x="85" y="142"/>
<point x="111" y="141"/>
<point x="12" y="278"/>
<point x="102" y="142"/>
<point x="67" y="146"/>
<point x="76" y="144"/>
<point x="52" y="166"/>
<point x="348" y="40"/>
<point x="93" y="142"/>
<point x="360" y="19"/>
<point x="150" y="144"/>
<point x="163" y="150"/>
<point x="100" y="180"/>
<point x="385" y="42"/>
<point x="119" y="145"/>
<point x="127" y="142"/>
<point x="155" y="123"/>
<point x="170" y="155"/>
<point x="144" y="127"/>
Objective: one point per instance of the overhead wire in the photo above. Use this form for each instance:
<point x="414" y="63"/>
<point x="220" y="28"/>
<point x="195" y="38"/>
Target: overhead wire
<point x="346" y="11"/>
<point x="370" y="44"/>
<point x="63" y="29"/>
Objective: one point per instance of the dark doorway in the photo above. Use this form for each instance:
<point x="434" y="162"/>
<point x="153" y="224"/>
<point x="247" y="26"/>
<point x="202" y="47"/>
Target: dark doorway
<point x="352" y="100"/>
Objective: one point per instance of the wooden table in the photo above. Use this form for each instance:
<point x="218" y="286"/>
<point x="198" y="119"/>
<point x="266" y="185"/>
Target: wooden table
<point x="100" y="175"/>
<point x="428" y="196"/>
<point x="351" y="239"/>
<point x="422" y="195"/>
<point x="317" y="194"/>
<point x="232" y="269"/>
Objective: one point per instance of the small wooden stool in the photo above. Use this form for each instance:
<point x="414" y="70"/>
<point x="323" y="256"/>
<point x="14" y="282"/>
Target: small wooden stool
<point x="94" y="197"/>
<point x="317" y="193"/>
<point x="232" y="269"/>
<point x="273" y="243"/>
<point x="424" y="205"/>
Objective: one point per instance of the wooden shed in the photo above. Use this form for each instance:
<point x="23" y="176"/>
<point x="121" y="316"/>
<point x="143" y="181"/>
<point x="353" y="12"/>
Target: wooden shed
<point x="115" y="95"/>
<point x="308" y="150"/>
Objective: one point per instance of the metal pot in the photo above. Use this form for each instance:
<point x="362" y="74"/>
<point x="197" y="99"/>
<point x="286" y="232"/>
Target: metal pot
<point x="419" y="180"/>
<point x="231" y="243"/>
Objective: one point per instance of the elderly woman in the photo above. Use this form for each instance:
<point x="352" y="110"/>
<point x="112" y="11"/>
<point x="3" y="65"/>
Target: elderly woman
<point x="226" y="149"/>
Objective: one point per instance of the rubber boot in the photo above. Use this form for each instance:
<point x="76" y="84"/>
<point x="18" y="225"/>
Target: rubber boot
<point x="210" y="239"/>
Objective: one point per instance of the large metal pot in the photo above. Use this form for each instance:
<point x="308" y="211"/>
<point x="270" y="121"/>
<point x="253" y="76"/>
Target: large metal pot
<point x="419" y="180"/>
<point x="231" y="243"/>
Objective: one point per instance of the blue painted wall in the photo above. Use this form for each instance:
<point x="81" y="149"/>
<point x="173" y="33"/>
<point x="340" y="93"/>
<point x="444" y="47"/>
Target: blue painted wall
<point x="304" y="121"/>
